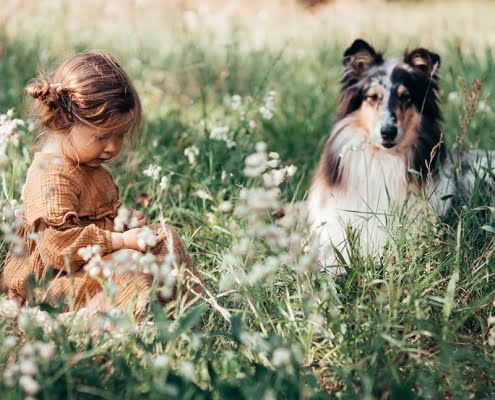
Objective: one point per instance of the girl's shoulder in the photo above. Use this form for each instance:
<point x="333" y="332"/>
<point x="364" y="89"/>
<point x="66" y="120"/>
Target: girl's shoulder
<point x="49" y="163"/>
<point x="49" y="172"/>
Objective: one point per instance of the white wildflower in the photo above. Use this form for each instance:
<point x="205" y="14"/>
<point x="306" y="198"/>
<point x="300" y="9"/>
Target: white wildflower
<point x="186" y="369"/>
<point x="29" y="385"/>
<point x="202" y="195"/>
<point x="161" y="361"/>
<point x="8" y="308"/>
<point x="252" y="125"/>
<point x="28" y="350"/>
<point x="196" y="341"/>
<point x="153" y="171"/>
<point x="454" y="97"/>
<point x="272" y="163"/>
<point x="219" y="133"/>
<point x="290" y="170"/>
<point x="273" y="178"/>
<point x="281" y="357"/>
<point x="225" y="206"/>
<point x="9" y="342"/>
<point x="34" y="316"/>
<point x="122" y="219"/>
<point x="146" y="238"/>
<point x="191" y="153"/>
<point x="164" y="182"/>
<point x="236" y="102"/>
<point x="28" y="367"/>
<point x="269" y="107"/>
<point x="260" y="147"/>
<point x="88" y="252"/>
<point x="45" y="350"/>
<point x="259" y="200"/>
<point x="484" y="107"/>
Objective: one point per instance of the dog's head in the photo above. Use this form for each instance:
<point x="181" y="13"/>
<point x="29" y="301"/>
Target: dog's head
<point x="393" y="102"/>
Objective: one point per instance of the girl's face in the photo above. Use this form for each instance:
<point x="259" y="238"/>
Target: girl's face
<point x="92" y="147"/>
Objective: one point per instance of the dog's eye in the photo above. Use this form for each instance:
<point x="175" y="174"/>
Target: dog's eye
<point x="373" y="98"/>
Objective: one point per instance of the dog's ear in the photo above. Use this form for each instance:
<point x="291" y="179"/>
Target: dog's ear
<point x="358" y="59"/>
<point x="423" y="61"/>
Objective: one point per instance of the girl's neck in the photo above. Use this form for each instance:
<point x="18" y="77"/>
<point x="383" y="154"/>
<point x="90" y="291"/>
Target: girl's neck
<point x="53" y="145"/>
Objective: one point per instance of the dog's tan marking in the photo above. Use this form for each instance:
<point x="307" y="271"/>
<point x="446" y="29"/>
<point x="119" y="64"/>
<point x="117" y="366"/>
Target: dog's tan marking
<point x="402" y="91"/>
<point x="408" y="119"/>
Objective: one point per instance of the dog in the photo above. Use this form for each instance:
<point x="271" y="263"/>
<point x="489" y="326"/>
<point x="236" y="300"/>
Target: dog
<point x="385" y="149"/>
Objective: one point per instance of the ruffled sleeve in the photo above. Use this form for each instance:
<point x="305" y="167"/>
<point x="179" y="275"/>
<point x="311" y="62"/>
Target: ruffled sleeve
<point x="51" y="204"/>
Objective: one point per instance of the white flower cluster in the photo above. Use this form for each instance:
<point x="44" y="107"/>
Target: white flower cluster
<point x="146" y="238"/>
<point x="96" y="266"/>
<point x="9" y="133"/>
<point x="153" y="171"/>
<point x="454" y="98"/>
<point x="484" y="107"/>
<point x="26" y="368"/>
<point x="8" y="308"/>
<point x="236" y="102"/>
<point x="491" y="330"/>
<point x="33" y="316"/>
<point x="283" y="239"/>
<point x="260" y="163"/>
<point x="164" y="182"/>
<point x="11" y="217"/>
<point x="268" y="108"/>
<point x="222" y="133"/>
<point x="124" y="220"/>
<point x="191" y="153"/>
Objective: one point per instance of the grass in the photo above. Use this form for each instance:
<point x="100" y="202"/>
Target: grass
<point x="410" y="324"/>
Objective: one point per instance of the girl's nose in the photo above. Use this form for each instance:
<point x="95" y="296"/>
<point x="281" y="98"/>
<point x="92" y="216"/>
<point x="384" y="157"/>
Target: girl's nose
<point x="111" y="145"/>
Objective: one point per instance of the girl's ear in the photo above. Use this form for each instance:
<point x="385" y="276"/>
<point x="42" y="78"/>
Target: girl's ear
<point x="423" y="61"/>
<point x="357" y="60"/>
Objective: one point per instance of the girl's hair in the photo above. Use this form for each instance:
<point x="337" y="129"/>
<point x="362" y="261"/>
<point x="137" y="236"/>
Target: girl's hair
<point x="90" y="88"/>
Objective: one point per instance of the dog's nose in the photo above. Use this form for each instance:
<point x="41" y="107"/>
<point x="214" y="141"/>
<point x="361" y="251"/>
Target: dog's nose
<point x="389" y="132"/>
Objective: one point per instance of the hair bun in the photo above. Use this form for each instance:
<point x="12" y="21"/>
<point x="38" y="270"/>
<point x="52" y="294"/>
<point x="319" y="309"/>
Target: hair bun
<point x="38" y="89"/>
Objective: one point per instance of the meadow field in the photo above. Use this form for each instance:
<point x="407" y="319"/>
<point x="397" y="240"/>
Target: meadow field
<point x="220" y="82"/>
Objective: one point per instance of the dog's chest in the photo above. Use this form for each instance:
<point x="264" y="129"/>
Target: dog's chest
<point x="373" y="184"/>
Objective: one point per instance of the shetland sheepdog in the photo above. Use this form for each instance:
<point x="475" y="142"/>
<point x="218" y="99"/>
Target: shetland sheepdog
<point x="385" y="147"/>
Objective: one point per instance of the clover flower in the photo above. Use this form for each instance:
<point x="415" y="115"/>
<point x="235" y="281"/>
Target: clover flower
<point x="191" y="153"/>
<point x="225" y="206"/>
<point x="146" y="238"/>
<point x="89" y="251"/>
<point x="8" y="308"/>
<point x="164" y="182"/>
<point x="187" y="370"/>
<point x="283" y="239"/>
<point x="9" y="133"/>
<point x="153" y="171"/>
<point x="125" y="219"/>
<point x="236" y="102"/>
<point x="281" y="357"/>
<point x="268" y="107"/>
<point x="161" y="361"/>
<point x="454" y="97"/>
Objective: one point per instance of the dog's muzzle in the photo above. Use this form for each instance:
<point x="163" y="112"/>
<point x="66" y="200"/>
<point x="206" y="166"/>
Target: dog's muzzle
<point x="389" y="133"/>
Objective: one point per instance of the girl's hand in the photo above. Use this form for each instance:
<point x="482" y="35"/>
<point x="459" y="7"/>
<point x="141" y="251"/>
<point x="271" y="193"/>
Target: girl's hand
<point x="141" y="238"/>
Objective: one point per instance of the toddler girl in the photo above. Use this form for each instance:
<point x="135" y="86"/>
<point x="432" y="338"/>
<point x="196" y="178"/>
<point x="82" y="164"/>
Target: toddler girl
<point x="87" y="107"/>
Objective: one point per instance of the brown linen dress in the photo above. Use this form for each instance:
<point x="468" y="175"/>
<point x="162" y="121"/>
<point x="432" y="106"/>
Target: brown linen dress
<point x="66" y="207"/>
